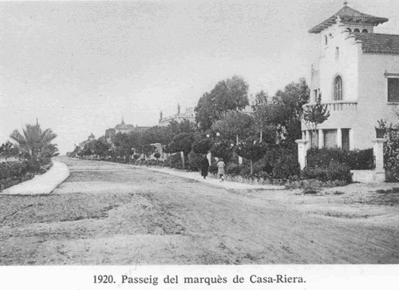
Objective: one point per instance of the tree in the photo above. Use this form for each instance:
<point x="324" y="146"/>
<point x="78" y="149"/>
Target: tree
<point x="229" y="94"/>
<point x="184" y="126"/>
<point x="101" y="148"/>
<point x="261" y="101"/>
<point x="223" y="149"/>
<point x="284" y="112"/>
<point x="235" y="124"/>
<point x="182" y="143"/>
<point x="8" y="150"/>
<point x="33" y="142"/>
<point x="157" y="134"/>
<point x="123" y="145"/>
<point x="314" y="115"/>
<point x="261" y="98"/>
<point x="202" y="146"/>
<point x="251" y="149"/>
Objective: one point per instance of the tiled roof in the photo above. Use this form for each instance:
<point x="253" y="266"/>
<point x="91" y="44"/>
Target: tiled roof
<point x="348" y="15"/>
<point x="378" y="43"/>
<point x="124" y="127"/>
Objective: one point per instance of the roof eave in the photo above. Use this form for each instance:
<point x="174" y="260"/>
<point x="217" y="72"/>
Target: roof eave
<point x="327" y="23"/>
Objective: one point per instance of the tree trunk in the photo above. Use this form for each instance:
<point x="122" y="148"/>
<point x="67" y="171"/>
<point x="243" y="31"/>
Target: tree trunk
<point x="252" y="169"/>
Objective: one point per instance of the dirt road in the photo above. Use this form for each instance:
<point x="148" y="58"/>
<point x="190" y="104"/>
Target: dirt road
<point x="107" y="213"/>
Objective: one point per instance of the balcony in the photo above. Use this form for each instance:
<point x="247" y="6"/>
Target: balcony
<point x="337" y="106"/>
<point x="394" y="106"/>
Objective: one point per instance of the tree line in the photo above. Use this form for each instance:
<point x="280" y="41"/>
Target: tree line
<point x="263" y="135"/>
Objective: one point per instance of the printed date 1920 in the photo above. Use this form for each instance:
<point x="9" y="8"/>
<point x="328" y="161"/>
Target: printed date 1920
<point x="103" y="279"/>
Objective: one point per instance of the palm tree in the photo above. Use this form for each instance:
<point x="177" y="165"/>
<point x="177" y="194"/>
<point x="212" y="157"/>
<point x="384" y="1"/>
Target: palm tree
<point x="35" y="143"/>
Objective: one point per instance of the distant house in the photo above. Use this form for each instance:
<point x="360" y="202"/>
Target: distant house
<point x="189" y="115"/>
<point x="357" y="77"/>
<point x="90" y="138"/>
<point x="122" y="128"/>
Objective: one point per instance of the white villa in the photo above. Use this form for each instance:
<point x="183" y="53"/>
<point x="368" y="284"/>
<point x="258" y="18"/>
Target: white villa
<point x="189" y="115"/>
<point x="357" y="76"/>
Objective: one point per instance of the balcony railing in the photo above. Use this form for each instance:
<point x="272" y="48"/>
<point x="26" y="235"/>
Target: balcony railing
<point x="394" y="106"/>
<point x="337" y="106"/>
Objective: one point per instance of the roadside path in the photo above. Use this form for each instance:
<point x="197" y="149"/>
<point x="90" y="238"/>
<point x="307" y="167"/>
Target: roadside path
<point x="41" y="184"/>
<point x="212" y="181"/>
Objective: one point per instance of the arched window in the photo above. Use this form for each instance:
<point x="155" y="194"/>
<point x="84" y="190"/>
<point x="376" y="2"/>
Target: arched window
<point x="337" y="54"/>
<point x="338" y="89"/>
<point x="356" y="30"/>
<point x="349" y="30"/>
<point x="325" y="39"/>
<point x="364" y="31"/>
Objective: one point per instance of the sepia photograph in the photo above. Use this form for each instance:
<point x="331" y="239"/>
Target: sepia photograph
<point x="199" y="133"/>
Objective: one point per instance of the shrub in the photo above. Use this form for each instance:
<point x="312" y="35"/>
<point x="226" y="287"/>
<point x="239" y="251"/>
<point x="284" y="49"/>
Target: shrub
<point x="391" y="154"/>
<point x="356" y="159"/>
<point x="14" y="172"/>
<point x="286" y="166"/>
<point x="194" y="161"/>
<point x="245" y="170"/>
<point x="174" y="161"/>
<point x="334" y="171"/>
<point x="233" y="169"/>
<point x="213" y="169"/>
<point x="361" y="159"/>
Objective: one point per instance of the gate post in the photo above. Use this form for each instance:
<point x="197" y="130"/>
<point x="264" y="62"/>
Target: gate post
<point x="378" y="152"/>
<point x="302" y="150"/>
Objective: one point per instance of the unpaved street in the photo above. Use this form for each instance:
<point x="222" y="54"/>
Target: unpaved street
<point x="107" y="213"/>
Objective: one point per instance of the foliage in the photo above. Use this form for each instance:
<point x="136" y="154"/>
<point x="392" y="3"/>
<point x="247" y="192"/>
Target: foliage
<point x="156" y="134"/>
<point x="34" y="142"/>
<point x="194" y="161"/>
<point x="123" y="146"/>
<point x="391" y="153"/>
<point x="101" y="148"/>
<point x="229" y="94"/>
<point x="8" y="150"/>
<point x="174" y="161"/>
<point x="202" y="146"/>
<point x="315" y="114"/>
<point x="182" y="142"/>
<point x="261" y="98"/>
<point x="233" y="169"/>
<point x="233" y="124"/>
<point x="334" y="171"/>
<point x="174" y="128"/>
<point x="286" y="165"/>
<point x="284" y="112"/>
<point x="252" y="150"/>
<point x="356" y="159"/>
<point x="223" y="149"/>
<point x="13" y="173"/>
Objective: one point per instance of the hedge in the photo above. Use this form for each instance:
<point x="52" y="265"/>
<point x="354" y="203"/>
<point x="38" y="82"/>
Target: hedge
<point x="355" y="159"/>
<point x="12" y="173"/>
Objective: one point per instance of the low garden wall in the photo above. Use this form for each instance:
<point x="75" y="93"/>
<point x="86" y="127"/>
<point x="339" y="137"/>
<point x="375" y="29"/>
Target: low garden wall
<point x="368" y="176"/>
<point x="255" y="181"/>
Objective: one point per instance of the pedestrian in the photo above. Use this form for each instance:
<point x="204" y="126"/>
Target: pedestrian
<point x="204" y="165"/>
<point x="221" y="166"/>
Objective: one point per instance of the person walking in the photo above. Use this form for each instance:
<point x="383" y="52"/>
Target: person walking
<point x="204" y="165"/>
<point x="221" y="166"/>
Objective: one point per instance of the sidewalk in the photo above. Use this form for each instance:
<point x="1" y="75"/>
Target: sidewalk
<point x="213" y="181"/>
<point x="41" y="184"/>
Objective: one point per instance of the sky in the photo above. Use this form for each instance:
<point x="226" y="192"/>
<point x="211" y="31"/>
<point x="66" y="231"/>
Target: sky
<point x="79" y="67"/>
